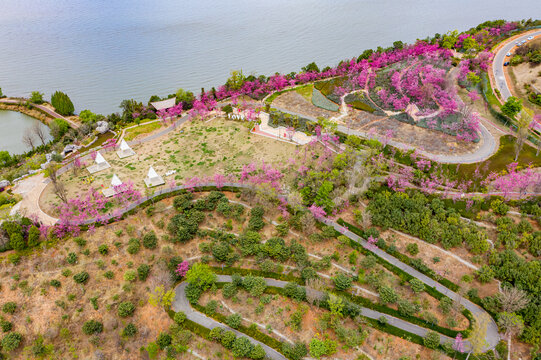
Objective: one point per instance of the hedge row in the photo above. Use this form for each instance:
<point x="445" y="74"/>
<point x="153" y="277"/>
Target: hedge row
<point x="405" y="259"/>
<point x="359" y="300"/>
<point x="250" y="331"/>
<point x="253" y="272"/>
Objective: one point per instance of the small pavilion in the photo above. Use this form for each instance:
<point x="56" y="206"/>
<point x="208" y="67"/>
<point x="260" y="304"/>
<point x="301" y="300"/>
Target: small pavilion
<point x="153" y="179"/>
<point x="99" y="164"/>
<point x="125" y="150"/>
<point x="164" y="104"/>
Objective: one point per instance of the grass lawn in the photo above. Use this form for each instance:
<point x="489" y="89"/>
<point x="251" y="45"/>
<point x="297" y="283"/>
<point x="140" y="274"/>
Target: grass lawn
<point x="143" y="129"/>
<point x="194" y="149"/>
<point x="306" y="91"/>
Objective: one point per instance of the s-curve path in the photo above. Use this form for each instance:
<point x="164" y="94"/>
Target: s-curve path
<point x="483" y="152"/>
<point x="492" y="336"/>
<point x="501" y="82"/>
<point x="181" y="303"/>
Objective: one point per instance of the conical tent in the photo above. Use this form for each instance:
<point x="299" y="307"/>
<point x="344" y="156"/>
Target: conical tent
<point x="152" y="174"/>
<point x="100" y="159"/>
<point x="115" y="181"/>
<point x="124" y="145"/>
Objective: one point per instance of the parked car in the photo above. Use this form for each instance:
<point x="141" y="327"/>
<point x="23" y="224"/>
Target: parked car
<point x="508" y="54"/>
<point x="530" y="37"/>
<point x="506" y="63"/>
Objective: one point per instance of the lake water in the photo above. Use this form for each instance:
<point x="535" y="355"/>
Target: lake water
<point x="102" y="51"/>
<point x="12" y="128"/>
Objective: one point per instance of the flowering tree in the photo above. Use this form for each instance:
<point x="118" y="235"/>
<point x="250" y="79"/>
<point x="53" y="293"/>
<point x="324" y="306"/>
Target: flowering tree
<point x="182" y="268"/>
<point x="317" y="211"/>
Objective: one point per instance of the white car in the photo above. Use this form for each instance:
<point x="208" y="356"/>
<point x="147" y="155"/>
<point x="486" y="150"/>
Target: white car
<point x="508" y="54"/>
<point x="530" y="38"/>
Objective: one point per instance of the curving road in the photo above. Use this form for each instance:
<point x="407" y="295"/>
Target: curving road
<point x="500" y="57"/>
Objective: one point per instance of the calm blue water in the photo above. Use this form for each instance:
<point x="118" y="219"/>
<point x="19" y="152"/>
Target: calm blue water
<point x="103" y="51"/>
<point x="12" y="128"/>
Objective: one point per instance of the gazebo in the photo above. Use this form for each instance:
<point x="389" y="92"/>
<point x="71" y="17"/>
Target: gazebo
<point x="99" y="165"/>
<point x="115" y="187"/>
<point x="153" y="179"/>
<point x="125" y="150"/>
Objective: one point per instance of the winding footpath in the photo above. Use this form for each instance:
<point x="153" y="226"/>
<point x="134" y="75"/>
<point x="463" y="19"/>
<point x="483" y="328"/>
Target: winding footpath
<point x="492" y="335"/>
<point x="483" y="152"/>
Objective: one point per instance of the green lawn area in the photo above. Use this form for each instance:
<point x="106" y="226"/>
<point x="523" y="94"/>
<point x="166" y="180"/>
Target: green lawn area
<point x="143" y="129"/>
<point x="306" y="91"/>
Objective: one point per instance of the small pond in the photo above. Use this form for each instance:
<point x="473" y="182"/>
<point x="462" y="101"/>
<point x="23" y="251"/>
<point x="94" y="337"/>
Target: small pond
<point x="12" y="128"/>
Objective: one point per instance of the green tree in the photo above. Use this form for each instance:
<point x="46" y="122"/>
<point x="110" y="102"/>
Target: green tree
<point x="58" y="128"/>
<point x="87" y="116"/>
<point x="36" y="97"/>
<point x="342" y="282"/>
<point x="242" y="347"/>
<point x="62" y="103"/>
<point x="523" y="130"/>
<point x="185" y="97"/>
<point x="16" y="241"/>
<point x="33" y="236"/>
<point x="431" y="340"/>
<point x="511" y="324"/>
<point x="512" y="106"/>
<point x="236" y="80"/>
<point x="312" y="67"/>
<point x="473" y="78"/>
<point x="201" y="275"/>
<point x="11" y="341"/>
<point x="5" y="158"/>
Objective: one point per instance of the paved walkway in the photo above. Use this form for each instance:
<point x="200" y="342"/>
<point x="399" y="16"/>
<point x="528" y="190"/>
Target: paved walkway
<point x="483" y="152"/>
<point x="492" y="335"/>
<point x="181" y="303"/>
<point x="30" y="189"/>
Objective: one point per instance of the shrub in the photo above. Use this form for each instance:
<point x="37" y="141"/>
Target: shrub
<point x="342" y="282"/>
<point x="33" y="236"/>
<point x="229" y="290"/>
<point x="62" y="103"/>
<point x="103" y="249"/>
<point x="126" y="309"/>
<point x="387" y="295"/>
<point x="5" y="325"/>
<point x="80" y="241"/>
<point x="233" y="321"/>
<point x="295" y="352"/>
<point x="242" y="347"/>
<point x="16" y="241"/>
<point x="92" y="327"/>
<point x="485" y="274"/>
<point x="9" y="307"/>
<point x="143" y="271"/>
<point x="417" y="286"/>
<point x="180" y="317"/>
<point x="431" y="340"/>
<point x="227" y="339"/>
<point x="412" y="248"/>
<point x="216" y="334"/>
<point x="134" y="245"/>
<point x="55" y="283"/>
<point x="81" y="278"/>
<point x="255" y="285"/>
<point x="72" y="258"/>
<point x="109" y="274"/>
<point x="150" y="240"/>
<point x="129" y="330"/>
<point x="130" y="276"/>
<point x="406" y="308"/>
<point x="163" y="340"/>
<point x="257" y="352"/>
<point x="499" y="207"/>
<point x="11" y="341"/>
